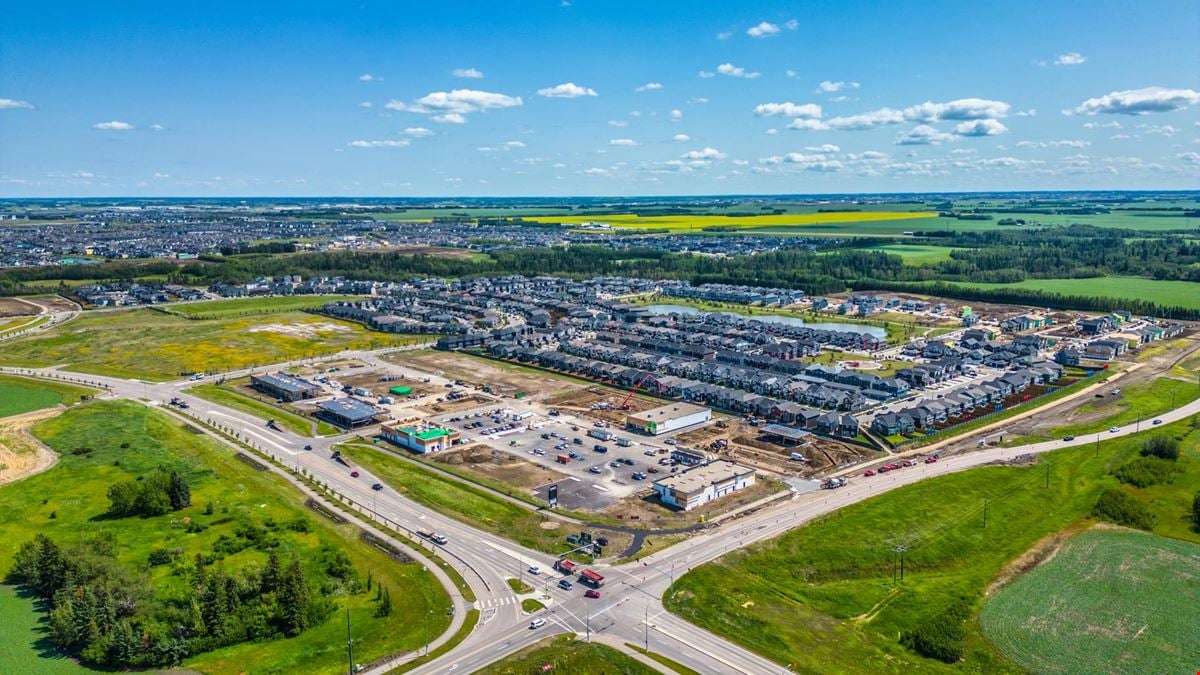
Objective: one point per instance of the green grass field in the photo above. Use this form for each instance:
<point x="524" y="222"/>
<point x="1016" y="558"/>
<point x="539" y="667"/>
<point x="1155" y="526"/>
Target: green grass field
<point x="1106" y="598"/>
<point x="218" y="309"/>
<point x="143" y="343"/>
<point x="697" y="223"/>
<point x="565" y="654"/>
<point x="452" y="498"/>
<point x="25" y="645"/>
<point x="1135" y="402"/>
<point x="218" y="393"/>
<point x="23" y="394"/>
<point x="822" y="597"/>
<point x="1166" y="293"/>
<point x="105" y="442"/>
<point x="916" y="254"/>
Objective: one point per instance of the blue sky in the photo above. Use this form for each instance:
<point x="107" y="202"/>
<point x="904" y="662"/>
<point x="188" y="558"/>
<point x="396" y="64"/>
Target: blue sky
<point x="544" y="97"/>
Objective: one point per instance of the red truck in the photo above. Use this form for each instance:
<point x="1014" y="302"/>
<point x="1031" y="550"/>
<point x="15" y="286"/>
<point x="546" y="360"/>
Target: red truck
<point x="565" y="566"/>
<point x="563" y="459"/>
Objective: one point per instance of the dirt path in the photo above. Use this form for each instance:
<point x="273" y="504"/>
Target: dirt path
<point x="22" y="455"/>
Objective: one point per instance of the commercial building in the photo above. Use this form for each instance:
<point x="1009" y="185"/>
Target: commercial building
<point x="668" y="418"/>
<point x="420" y="438"/>
<point x="702" y="484"/>
<point x="348" y="413"/>
<point x="284" y="387"/>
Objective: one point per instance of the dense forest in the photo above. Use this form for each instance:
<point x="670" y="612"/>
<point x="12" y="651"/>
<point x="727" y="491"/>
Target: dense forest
<point x="1000" y="256"/>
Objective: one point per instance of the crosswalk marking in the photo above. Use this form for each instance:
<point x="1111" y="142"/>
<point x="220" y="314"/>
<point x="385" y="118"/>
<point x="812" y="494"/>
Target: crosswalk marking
<point x="496" y="602"/>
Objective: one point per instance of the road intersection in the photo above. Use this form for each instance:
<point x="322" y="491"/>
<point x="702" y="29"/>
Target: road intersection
<point x="630" y="609"/>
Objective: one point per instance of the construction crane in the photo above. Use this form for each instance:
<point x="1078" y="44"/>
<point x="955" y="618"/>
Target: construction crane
<point x="625" y="403"/>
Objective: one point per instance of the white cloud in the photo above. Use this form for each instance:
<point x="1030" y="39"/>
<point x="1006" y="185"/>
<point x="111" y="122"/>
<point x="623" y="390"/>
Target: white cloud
<point x="681" y="138"/>
<point x="623" y="142"/>
<point x="923" y="134"/>
<point x="390" y="143"/>
<point x="809" y="124"/>
<point x="513" y="144"/>
<point x="676" y="115"/>
<point x="1032" y="112"/>
<point x="772" y="132"/>
<point x="114" y="125"/>
<point x="596" y="171"/>
<point x="1070" y="59"/>
<point x="417" y="132"/>
<point x="161" y="176"/>
<point x="763" y="30"/>
<point x="618" y="123"/>
<point x="698" y="100"/>
<point x="566" y="90"/>
<point x="788" y="109"/>
<point x="467" y="73"/>
<point x="1160" y="129"/>
<point x="650" y="86"/>
<point x="974" y="128"/>
<point x="867" y="120"/>
<point x="826" y="148"/>
<point x="724" y="35"/>
<point x="706" y="153"/>
<point x="365" y="104"/>
<point x="736" y="71"/>
<point x="157" y="127"/>
<point x="791" y="24"/>
<point x="789" y="72"/>
<point x="1189" y="157"/>
<point x="1138" y="102"/>
<point x="1053" y="144"/>
<point x="1102" y="125"/>
<point x="15" y="104"/>
<point x="704" y="74"/>
<point x="367" y="77"/>
<point x="452" y="106"/>
<point x="831" y="87"/>
<point x="960" y="109"/>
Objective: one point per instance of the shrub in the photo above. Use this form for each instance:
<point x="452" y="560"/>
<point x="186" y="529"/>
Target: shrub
<point x="1147" y="471"/>
<point x="1196" y="512"/>
<point x="941" y="636"/>
<point x="1118" y="507"/>
<point x="1162" y="447"/>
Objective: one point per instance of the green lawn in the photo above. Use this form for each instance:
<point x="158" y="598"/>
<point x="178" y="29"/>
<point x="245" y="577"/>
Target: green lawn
<point x="218" y="393"/>
<point x="25" y="645"/>
<point x="101" y="443"/>
<point x="144" y="343"/>
<point x="565" y="654"/>
<point x="1106" y="598"/>
<point x="822" y="596"/>
<point x="23" y="394"/>
<point x="222" y="309"/>
<point x="916" y="254"/>
<point x="1139" y="401"/>
<point x="452" y="498"/>
<point x="1165" y="293"/>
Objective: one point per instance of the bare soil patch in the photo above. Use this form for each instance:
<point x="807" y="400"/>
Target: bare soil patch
<point x="499" y="465"/>
<point x="19" y="307"/>
<point x="502" y="378"/>
<point x="601" y="403"/>
<point x="744" y="444"/>
<point x="22" y="455"/>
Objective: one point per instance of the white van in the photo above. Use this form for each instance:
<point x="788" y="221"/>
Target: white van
<point x="537" y="623"/>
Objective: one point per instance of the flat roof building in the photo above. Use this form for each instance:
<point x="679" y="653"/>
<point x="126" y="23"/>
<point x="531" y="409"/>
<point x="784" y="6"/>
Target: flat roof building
<point x="667" y="418"/>
<point x="284" y="387"/>
<point x="421" y="438"/>
<point x="348" y="413"/>
<point x="702" y="484"/>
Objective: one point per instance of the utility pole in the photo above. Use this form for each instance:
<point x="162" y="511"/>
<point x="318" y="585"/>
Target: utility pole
<point x="646" y="623"/>
<point x="1047" y="475"/>
<point x="425" y="631"/>
<point x="588" y="623"/>
<point x="349" y="643"/>
<point x="899" y="550"/>
<point x="985" y="504"/>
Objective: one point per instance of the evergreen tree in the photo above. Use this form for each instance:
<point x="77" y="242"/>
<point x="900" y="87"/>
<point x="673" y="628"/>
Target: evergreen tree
<point x="178" y="492"/>
<point x="293" y="599"/>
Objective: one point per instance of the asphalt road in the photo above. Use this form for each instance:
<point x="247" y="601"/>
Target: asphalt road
<point x="630" y="607"/>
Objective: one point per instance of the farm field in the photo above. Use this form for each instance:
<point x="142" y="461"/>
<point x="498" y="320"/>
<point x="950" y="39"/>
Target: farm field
<point x="147" y="344"/>
<point x="1166" y="293"/>
<point x="684" y="223"/>
<point x="916" y="254"/>
<point x="103" y="443"/>
<point x="21" y="394"/>
<point x="566" y="654"/>
<point x="25" y="646"/>
<point x="1107" y="597"/>
<point x="221" y="309"/>
<point x="841" y="609"/>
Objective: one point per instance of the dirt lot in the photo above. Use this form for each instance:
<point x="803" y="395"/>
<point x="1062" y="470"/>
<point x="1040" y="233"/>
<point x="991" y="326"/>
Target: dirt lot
<point x="321" y="368"/>
<point x="21" y="454"/>
<point x="580" y="401"/>
<point x="644" y="509"/>
<point x="745" y="445"/>
<point x="18" y="307"/>
<point x="499" y="465"/>
<point x="504" y="379"/>
<point x="52" y="303"/>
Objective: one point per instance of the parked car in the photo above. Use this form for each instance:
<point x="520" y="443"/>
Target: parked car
<point x="638" y="475"/>
<point x="931" y="459"/>
<point x="869" y="472"/>
<point x="596" y="469"/>
<point x="591" y="593"/>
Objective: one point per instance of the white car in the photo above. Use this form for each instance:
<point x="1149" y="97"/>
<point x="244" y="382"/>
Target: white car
<point x="537" y="623"/>
<point x="535" y="570"/>
<point x="1113" y="430"/>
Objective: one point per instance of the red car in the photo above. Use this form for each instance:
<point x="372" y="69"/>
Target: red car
<point x="930" y="460"/>
<point x="909" y="462"/>
<point x="885" y="468"/>
<point x="354" y="474"/>
<point x="869" y="472"/>
<point x="591" y="593"/>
